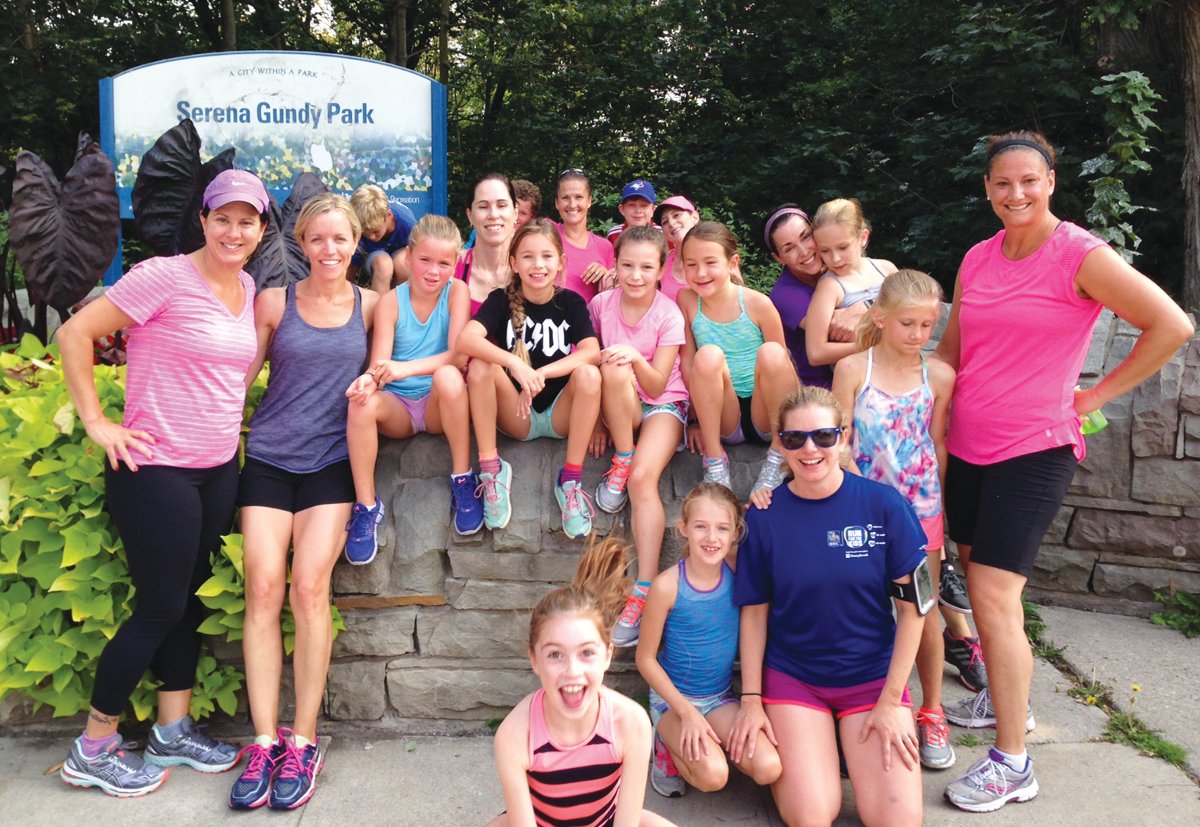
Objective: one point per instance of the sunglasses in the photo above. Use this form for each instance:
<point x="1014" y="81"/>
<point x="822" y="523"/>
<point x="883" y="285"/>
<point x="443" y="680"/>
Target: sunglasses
<point x="821" y="437"/>
<point x="572" y="171"/>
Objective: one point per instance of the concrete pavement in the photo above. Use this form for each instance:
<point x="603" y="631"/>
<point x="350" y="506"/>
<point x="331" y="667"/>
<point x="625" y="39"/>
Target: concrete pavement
<point x="447" y="780"/>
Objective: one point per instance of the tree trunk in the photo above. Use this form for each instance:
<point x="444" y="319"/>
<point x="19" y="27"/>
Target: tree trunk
<point x="228" y="26"/>
<point x="397" y="52"/>
<point x="1189" y="28"/>
<point x="444" y="45"/>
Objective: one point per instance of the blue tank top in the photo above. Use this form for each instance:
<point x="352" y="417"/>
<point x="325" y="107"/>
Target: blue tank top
<point x="700" y="636"/>
<point x="850" y="297"/>
<point x="415" y="339"/>
<point x="300" y="426"/>
<point x="740" y="339"/>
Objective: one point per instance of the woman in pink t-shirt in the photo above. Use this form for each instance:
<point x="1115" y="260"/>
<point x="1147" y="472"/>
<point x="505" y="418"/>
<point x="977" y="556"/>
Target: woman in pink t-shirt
<point x="589" y="258"/>
<point x="1025" y="303"/>
<point x="171" y="476"/>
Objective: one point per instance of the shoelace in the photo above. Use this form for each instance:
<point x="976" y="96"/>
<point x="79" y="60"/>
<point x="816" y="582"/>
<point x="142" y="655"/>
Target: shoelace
<point x="258" y="758"/>
<point x="988" y="772"/>
<point x="618" y="475"/>
<point x="662" y="757"/>
<point x="633" y="609"/>
<point x="294" y="764"/>
<point x="487" y="489"/>
<point x="933" y="728"/>
<point x="363" y="522"/>
<point x="578" y="500"/>
<point x="771" y="473"/>
<point x="461" y="486"/>
<point x="976" y="651"/>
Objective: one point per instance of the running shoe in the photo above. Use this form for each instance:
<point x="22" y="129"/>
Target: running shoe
<point x="977" y="712"/>
<point x="576" y="510"/>
<point x="611" y="495"/>
<point x="771" y="475"/>
<point x="952" y="591"/>
<point x="990" y="784"/>
<point x="717" y="470"/>
<point x="363" y="542"/>
<point x="115" y="770"/>
<point x="493" y="488"/>
<point x="253" y="786"/>
<point x="468" y="508"/>
<point x="192" y="748"/>
<point x="664" y="776"/>
<point x="629" y="626"/>
<point x="966" y="655"/>
<point x="296" y="780"/>
<point x="934" y="737"/>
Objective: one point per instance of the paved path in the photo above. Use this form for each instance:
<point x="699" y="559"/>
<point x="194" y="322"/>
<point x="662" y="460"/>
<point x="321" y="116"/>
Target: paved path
<point x="451" y="781"/>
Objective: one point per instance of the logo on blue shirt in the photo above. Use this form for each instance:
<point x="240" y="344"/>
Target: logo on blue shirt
<point x="856" y="539"/>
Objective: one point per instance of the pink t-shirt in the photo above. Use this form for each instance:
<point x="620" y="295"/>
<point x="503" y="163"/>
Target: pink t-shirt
<point x="1024" y="336"/>
<point x="578" y="259"/>
<point x="661" y="326"/>
<point x="188" y="357"/>
<point x="667" y="284"/>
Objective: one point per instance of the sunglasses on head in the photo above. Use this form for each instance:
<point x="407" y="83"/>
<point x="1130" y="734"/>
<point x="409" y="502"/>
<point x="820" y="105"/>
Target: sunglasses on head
<point x="821" y="437"/>
<point x="572" y="171"/>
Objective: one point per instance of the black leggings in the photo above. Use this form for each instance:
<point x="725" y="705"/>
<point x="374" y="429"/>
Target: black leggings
<point x="170" y="521"/>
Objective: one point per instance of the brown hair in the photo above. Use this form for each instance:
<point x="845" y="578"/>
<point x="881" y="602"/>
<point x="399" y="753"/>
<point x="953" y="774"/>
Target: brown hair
<point x="323" y="203"/>
<point x="721" y="495"/>
<point x="812" y="396"/>
<point x="436" y="227"/>
<point x="717" y="233"/>
<point x="597" y="591"/>
<point x="1020" y="139"/>
<point x="903" y="288"/>
<point x="643" y="235"/>
<point x="573" y="175"/>
<point x="516" y="299"/>
<point x="527" y="191"/>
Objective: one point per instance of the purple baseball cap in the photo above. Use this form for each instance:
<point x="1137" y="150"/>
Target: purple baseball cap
<point x="676" y="201"/>
<point x="236" y="185"/>
<point x="639" y="188"/>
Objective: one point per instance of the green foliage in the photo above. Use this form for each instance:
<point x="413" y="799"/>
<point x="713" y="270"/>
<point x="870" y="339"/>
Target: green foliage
<point x="1129" y="102"/>
<point x="64" y="584"/>
<point x="1126" y="728"/>
<point x="1182" y="612"/>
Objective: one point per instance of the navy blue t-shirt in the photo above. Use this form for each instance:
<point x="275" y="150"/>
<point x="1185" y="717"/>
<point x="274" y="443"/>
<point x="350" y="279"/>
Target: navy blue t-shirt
<point x="825" y="566"/>
<point x="405" y="221"/>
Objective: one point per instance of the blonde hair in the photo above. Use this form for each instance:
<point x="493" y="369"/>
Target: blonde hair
<point x="371" y="204"/>
<point x="717" y="233"/>
<point x="436" y="228"/>
<point x="812" y="396"/>
<point x="903" y="288"/>
<point x="597" y="591"/>
<point x="721" y="495"/>
<point x="516" y="299"/>
<point x="845" y="212"/>
<point x="321" y="204"/>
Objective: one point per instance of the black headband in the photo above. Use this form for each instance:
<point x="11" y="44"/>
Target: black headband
<point x="1022" y="142"/>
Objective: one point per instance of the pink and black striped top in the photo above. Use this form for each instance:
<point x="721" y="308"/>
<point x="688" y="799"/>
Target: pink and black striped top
<point x="188" y="356"/>
<point x="575" y="786"/>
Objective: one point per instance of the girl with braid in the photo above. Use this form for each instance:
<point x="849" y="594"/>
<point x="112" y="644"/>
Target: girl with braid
<point x="533" y="373"/>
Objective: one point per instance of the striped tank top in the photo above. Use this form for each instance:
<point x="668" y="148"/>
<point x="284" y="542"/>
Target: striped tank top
<point x="573" y="785"/>
<point x="739" y="339"/>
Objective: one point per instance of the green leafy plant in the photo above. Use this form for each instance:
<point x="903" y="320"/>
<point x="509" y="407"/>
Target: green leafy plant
<point x="1126" y="728"/>
<point x="1182" y="613"/>
<point x="1129" y="102"/>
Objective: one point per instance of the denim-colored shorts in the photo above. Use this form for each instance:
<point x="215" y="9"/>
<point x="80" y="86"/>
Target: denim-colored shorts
<point x="706" y="704"/>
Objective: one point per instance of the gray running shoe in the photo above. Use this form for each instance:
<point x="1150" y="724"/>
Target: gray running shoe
<point x="664" y="777"/>
<point x="629" y="627"/>
<point x="717" y="470"/>
<point x="934" y="737"/>
<point x="771" y="475"/>
<point x="115" y="770"/>
<point x="978" y="713"/>
<point x="611" y="493"/>
<point x="193" y="748"/>
<point x="990" y="784"/>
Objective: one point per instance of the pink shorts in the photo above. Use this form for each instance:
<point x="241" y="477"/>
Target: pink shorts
<point x="935" y="532"/>
<point x="416" y="410"/>
<point x="838" y="701"/>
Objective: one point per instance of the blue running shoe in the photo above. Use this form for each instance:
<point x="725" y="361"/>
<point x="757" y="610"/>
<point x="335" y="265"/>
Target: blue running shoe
<point x="296" y="780"/>
<point x="253" y="786"/>
<point x="468" y="506"/>
<point x="362" y="543"/>
<point x="115" y="770"/>
<point x="192" y="748"/>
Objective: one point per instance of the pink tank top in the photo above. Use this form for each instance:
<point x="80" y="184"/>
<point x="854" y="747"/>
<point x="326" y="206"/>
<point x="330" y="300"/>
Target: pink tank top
<point x="573" y="785"/>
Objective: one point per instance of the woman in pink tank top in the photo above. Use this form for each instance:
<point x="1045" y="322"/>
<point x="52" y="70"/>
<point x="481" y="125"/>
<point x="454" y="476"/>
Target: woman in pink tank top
<point x="1025" y="303"/>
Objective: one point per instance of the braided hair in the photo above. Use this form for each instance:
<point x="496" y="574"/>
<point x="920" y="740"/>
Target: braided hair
<point x="516" y="299"/>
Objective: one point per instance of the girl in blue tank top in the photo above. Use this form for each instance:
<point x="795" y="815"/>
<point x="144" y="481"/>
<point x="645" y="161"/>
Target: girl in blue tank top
<point x="415" y="382"/>
<point x="688" y="644"/>
<point x="735" y="360"/>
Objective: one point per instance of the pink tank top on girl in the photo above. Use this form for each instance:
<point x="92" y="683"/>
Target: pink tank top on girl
<point x="1024" y="336"/>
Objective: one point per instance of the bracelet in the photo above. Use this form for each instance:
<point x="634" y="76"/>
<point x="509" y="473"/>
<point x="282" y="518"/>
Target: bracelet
<point x="754" y="694"/>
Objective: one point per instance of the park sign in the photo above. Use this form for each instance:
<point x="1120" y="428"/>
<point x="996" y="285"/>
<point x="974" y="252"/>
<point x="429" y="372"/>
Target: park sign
<point x="347" y="120"/>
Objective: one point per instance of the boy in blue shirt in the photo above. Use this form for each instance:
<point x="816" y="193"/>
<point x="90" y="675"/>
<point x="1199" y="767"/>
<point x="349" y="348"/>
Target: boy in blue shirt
<point x="383" y="248"/>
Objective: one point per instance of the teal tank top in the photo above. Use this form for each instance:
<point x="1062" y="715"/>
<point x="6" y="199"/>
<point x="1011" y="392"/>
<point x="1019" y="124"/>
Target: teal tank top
<point x="414" y="340"/>
<point x="739" y="339"/>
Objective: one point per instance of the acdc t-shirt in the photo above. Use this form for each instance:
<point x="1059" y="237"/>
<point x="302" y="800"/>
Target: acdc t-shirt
<point x="551" y="332"/>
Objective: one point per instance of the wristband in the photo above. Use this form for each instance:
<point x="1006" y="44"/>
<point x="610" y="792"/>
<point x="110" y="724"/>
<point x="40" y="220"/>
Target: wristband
<point x="754" y="694"/>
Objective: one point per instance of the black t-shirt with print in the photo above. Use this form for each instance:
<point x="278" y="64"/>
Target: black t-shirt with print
<point x="551" y="332"/>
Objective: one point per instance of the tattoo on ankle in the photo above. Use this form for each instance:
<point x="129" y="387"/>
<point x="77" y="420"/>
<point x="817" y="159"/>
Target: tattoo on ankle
<point x="101" y="718"/>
